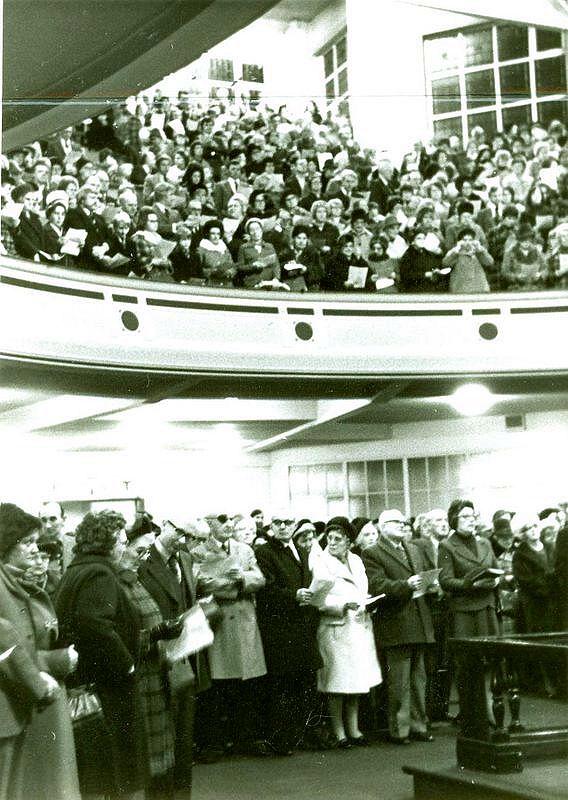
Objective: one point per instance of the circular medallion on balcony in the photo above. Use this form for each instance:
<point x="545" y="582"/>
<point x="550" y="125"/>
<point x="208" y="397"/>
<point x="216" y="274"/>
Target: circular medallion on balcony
<point x="488" y="330"/>
<point x="130" y="320"/>
<point x="304" y="331"/>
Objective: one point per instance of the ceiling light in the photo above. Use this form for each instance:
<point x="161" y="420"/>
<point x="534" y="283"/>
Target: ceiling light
<point x="472" y="399"/>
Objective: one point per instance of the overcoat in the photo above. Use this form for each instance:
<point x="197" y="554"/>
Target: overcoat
<point x="47" y="767"/>
<point x="288" y="630"/>
<point x="237" y="649"/>
<point x="346" y="640"/>
<point x="400" y="619"/>
<point x="534" y="575"/>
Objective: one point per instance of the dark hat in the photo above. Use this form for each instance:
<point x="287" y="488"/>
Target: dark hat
<point x="358" y="524"/>
<point x="50" y="544"/>
<point x="501" y="513"/>
<point x="390" y="221"/>
<point x="301" y="527"/>
<point x="341" y="524"/>
<point x="502" y="528"/>
<point x="455" y="507"/>
<point x="15" y="524"/>
<point x="546" y="512"/>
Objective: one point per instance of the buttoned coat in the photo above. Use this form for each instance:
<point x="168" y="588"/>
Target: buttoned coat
<point x="345" y="639"/>
<point x="533" y="571"/>
<point x="400" y="619"/>
<point x="237" y="650"/>
<point x="456" y="560"/>
<point x="288" y="630"/>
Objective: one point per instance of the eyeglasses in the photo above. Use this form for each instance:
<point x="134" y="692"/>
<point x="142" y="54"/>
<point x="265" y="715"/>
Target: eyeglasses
<point x="279" y="522"/>
<point x="467" y="515"/>
<point x="48" y="519"/>
<point x="394" y="522"/>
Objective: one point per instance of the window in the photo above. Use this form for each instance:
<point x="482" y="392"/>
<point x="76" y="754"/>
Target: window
<point x="221" y="69"/>
<point x="335" y="70"/>
<point x="253" y="73"/>
<point x="494" y="76"/>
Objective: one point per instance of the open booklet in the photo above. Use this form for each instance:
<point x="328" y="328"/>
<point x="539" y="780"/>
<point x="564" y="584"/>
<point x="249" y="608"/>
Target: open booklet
<point x="429" y="580"/>
<point x="7" y="653"/>
<point x="195" y="635"/>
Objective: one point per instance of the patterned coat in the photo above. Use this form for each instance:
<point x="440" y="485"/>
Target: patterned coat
<point x="237" y="649"/>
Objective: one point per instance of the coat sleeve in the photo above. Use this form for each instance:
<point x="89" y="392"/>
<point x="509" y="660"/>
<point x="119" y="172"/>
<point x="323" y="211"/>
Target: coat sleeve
<point x="19" y="668"/>
<point x="97" y="638"/>
<point x="379" y="582"/>
<point x="532" y="581"/>
<point x="273" y="589"/>
<point x="253" y="579"/>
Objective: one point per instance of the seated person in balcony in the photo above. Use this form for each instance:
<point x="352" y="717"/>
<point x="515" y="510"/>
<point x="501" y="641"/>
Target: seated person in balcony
<point x="257" y="260"/>
<point x="426" y="220"/>
<point x="313" y="193"/>
<point x="500" y="239"/>
<point x="345" y="191"/>
<point x="361" y="234"/>
<point x="323" y="234"/>
<point x="461" y="219"/>
<point x="28" y="234"/>
<point x="382" y="267"/>
<point x="558" y="257"/>
<point x="86" y="217"/>
<point x="163" y="163"/>
<point x="233" y="184"/>
<point x="419" y="268"/>
<point x="335" y="214"/>
<point x="149" y="264"/>
<point x="167" y="217"/>
<point x="185" y="264"/>
<point x="120" y="243"/>
<point x="300" y="263"/>
<point x="280" y="236"/>
<point x="337" y="278"/>
<point x="468" y="259"/>
<point x="215" y="262"/>
<point x="53" y="233"/>
<point x="396" y="245"/>
<point x="524" y="266"/>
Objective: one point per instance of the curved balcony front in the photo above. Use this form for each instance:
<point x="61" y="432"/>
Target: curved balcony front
<point x="117" y="327"/>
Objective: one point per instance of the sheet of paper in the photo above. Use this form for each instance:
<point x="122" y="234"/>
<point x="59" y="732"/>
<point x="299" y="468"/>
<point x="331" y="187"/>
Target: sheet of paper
<point x="357" y="276"/>
<point x="157" y="121"/>
<point x="563" y="263"/>
<point x="429" y="579"/>
<point x="78" y="235"/>
<point x="164" y="249"/>
<point x="383" y="283"/>
<point x="12" y="210"/>
<point x="51" y="256"/>
<point x="196" y="635"/>
<point x="397" y="248"/>
<point x="431" y="243"/>
<point x="177" y="127"/>
<point x="319" y="587"/>
<point x="7" y="653"/>
<point x="70" y="248"/>
<point x="370" y="600"/>
<point x="118" y="260"/>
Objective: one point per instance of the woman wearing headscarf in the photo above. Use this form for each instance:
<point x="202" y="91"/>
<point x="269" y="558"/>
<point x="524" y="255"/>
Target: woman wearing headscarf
<point x="37" y="751"/>
<point x="97" y="614"/>
<point x="345" y="634"/>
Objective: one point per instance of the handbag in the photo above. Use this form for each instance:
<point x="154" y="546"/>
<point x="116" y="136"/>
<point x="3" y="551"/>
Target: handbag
<point x="84" y="704"/>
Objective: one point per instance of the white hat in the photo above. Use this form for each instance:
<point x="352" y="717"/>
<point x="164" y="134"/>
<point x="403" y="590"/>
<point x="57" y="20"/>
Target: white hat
<point x="391" y="515"/>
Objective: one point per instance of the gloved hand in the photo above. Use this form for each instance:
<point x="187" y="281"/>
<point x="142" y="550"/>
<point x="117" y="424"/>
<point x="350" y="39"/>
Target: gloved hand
<point x="168" y="629"/>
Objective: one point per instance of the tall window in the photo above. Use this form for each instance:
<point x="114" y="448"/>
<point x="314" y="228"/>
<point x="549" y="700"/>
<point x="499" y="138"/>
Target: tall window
<point x="253" y="73"/>
<point x="494" y="76"/>
<point x="335" y="70"/>
<point x="221" y="69"/>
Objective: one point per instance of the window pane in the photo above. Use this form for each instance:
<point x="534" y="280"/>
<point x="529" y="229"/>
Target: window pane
<point x="551" y="76"/>
<point x="375" y="476"/>
<point x="253" y="73"/>
<point x="336" y="508"/>
<point x="419" y="502"/>
<point x="356" y="478"/>
<point x="317" y="480"/>
<point x="341" y="52"/>
<point x="437" y="472"/>
<point x="342" y="83"/>
<point x="547" y="40"/>
<point x="394" y="475"/>
<point x="517" y="115"/>
<point x="417" y="473"/>
<point x="396" y="500"/>
<point x="221" y="69"/>
<point x="480" y="88"/>
<point x="515" y="83"/>
<point x="442" y="53"/>
<point x="513" y="42"/>
<point x="377" y="504"/>
<point x="328" y="62"/>
<point x="478" y="47"/>
<point x="446" y="127"/>
<point x="298" y="481"/>
<point x="487" y="120"/>
<point x="553" y="109"/>
<point x="330" y="90"/>
<point x="334" y="480"/>
<point x="357" y="507"/>
<point x="446" y="95"/>
<point x="439" y="498"/>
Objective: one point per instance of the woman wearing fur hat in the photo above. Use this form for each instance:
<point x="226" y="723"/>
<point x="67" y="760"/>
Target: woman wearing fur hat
<point x="213" y="256"/>
<point x="37" y="751"/>
<point x="345" y="633"/>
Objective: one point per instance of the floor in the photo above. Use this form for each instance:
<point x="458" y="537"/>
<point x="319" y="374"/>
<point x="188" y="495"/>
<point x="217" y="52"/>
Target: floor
<point x="372" y="773"/>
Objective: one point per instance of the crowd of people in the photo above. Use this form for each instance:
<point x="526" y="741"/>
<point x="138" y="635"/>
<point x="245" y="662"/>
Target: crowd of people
<point x="225" y="195"/>
<point x="307" y="618"/>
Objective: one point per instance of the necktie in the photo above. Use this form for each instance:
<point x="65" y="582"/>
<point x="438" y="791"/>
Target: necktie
<point x="173" y="567"/>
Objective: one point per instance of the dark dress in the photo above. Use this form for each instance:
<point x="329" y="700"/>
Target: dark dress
<point x="533" y="571"/>
<point x="95" y="613"/>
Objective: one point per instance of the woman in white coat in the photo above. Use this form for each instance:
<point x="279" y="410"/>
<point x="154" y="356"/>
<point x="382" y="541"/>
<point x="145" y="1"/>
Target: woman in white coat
<point x="345" y="634"/>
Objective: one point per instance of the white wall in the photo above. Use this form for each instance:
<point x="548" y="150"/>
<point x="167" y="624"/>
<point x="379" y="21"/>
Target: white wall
<point x="525" y="468"/>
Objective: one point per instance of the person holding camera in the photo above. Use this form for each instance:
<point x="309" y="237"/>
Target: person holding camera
<point x="468" y="261"/>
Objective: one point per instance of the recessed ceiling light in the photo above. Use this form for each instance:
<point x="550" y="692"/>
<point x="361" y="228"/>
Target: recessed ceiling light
<point x="472" y="399"/>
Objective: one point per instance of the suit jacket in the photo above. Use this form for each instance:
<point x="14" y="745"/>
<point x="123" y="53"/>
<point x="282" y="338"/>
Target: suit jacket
<point x="400" y="619"/>
<point x="173" y="598"/>
<point x="222" y="193"/>
<point x="166" y="218"/>
<point x="380" y="193"/>
<point x="288" y="629"/>
<point x="247" y="275"/>
<point x="456" y="560"/>
<point x="28" y="236"/>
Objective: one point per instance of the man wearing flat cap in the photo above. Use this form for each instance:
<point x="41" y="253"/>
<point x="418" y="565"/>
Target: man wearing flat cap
<point x="404" y="626"/>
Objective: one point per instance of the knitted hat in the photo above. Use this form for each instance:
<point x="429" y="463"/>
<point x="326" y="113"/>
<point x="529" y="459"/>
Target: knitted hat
<point x="15" y="525"/>
<point x="341" y="524"/>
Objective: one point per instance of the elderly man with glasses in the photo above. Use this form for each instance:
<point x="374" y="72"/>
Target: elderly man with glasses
<point x="288" y="626"/>
<point x="404" y="626"/>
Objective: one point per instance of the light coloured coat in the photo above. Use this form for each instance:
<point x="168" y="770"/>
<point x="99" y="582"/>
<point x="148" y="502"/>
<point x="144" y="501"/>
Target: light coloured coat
<point x="237" y="649"/>
<point x="345" y="639"/>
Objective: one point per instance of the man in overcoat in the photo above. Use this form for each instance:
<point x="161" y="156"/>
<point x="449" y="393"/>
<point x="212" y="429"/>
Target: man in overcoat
<point x="288" y="626"/>
<point x="404" y="626"/>
<point x="167" y="575"/>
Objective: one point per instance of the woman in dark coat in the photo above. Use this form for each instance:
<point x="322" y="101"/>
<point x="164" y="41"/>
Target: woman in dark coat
<point x="96" y="613"/>
<point x="37" y="750"/>
<point x="336" y="278"/>
<point x="419" y="269"/>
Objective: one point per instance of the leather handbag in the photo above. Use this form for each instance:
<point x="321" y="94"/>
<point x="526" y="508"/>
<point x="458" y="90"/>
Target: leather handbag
<point x="84" y="704"/>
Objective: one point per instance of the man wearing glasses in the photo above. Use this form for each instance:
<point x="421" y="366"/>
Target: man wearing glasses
<point x="288" y="627"/>
<point x="404" y="626"/>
